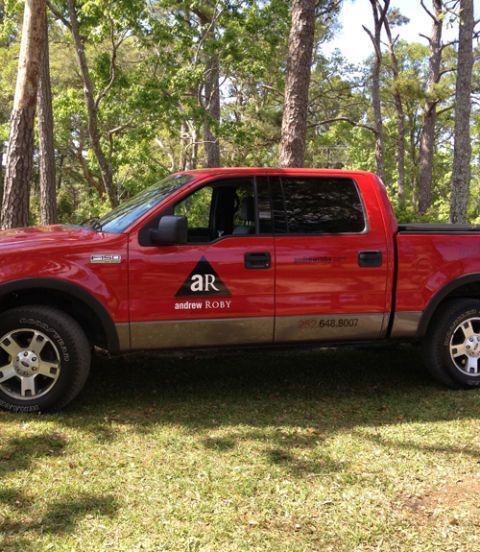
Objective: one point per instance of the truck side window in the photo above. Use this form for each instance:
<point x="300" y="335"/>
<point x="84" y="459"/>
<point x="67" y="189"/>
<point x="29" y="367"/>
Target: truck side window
<point x="196" y="208"/>
<point x="225" y="208"/>
<point x="327" y="205"/>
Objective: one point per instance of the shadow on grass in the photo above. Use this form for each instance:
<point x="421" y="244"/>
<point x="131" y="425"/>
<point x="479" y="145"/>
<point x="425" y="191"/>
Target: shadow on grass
<point x="285" y="401"/>
<point x="406" y="444"/>
<point x="20" y="452"/>
<point x="60" y="516"/>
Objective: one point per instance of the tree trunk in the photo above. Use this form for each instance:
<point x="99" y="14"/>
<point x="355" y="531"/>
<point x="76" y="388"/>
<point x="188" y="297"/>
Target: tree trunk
<point x="462" y="150"/>
<point x="48" y="191"/>
<point x="379" y="16"/>
<point x="185" y="146"/>
<point x="427" y="139"/>
<point x="299" y="63"/>
<point x="212" y="99"/>
<point x="92" y="111"/>
<point x="414" y="161"/>
<point x="15" y="204"/>
<point x="397" y="98"/>
<point x="1" y="172"/>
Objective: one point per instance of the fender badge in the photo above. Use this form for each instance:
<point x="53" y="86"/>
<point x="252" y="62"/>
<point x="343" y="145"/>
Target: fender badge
<point x="106" y="259"/>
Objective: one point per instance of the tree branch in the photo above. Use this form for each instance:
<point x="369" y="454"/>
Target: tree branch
<point x="113" y="66"/>
<point x="445" y="109"/>
<point x="427" y="38"/>
<point x="378" y="53"/>
<point x="216" y="15"/>
<point x="428" y="11"/>
<point x="58" y="14"/>
<point x="345" y="120"/>
<point x="447" y="44"/>
<point x="445" y="71"/>
<point x="121" y="127"/>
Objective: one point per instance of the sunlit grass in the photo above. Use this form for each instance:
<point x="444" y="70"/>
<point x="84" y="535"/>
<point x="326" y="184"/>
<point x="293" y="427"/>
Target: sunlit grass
<point x="342" y="451"/>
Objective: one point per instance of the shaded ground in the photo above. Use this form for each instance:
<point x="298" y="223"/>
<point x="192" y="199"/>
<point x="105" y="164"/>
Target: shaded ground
<point x="343" y="451"/>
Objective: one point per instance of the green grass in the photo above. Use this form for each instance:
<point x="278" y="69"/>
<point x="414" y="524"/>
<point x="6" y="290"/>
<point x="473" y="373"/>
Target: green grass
<point x="353" y="450"/>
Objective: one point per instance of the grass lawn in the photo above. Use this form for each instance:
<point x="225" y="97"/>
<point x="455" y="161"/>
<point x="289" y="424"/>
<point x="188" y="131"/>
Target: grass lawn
<point x="352" y="450"/>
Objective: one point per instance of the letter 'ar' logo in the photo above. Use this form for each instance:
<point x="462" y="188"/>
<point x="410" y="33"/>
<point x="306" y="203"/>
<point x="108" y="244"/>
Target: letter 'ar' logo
<point x="203" y="280"/>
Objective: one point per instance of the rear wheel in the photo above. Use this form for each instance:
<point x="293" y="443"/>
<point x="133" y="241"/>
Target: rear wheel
<point x="452" y="344"/>
<point x="44" y="359"/>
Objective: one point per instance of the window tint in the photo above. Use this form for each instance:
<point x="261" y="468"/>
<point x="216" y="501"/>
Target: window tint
<point x="264" y="205"/>
<point x="317" y="206"/>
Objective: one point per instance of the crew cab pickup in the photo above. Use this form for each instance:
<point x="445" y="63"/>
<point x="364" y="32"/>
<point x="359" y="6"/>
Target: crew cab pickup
<point x="232" y="258"/>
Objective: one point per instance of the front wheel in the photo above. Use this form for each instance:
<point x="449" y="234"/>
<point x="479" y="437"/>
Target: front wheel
<point x="452" y="344"/>
<point x="44" y="359"/>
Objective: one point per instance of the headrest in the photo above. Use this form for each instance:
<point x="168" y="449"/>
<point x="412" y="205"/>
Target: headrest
<point x="247" y="208"/>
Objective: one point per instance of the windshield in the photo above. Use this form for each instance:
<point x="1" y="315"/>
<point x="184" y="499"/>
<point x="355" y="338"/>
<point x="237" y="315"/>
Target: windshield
<point x="120" y="218"/>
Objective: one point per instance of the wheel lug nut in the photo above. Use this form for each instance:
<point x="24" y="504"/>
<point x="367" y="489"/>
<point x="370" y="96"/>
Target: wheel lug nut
<point x="34" y="359"/>
<point x="25" y="353"/>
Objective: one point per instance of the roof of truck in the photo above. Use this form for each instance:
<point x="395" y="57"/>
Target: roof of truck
<point x="274" y="171"/>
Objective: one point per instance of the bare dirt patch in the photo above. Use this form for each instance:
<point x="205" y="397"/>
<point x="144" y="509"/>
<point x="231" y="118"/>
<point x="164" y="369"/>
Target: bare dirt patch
<point x="445" y="499"/>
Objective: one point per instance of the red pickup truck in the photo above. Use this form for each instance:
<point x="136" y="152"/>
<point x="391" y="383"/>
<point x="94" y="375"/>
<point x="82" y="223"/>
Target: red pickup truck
<point x="231" y="258"/>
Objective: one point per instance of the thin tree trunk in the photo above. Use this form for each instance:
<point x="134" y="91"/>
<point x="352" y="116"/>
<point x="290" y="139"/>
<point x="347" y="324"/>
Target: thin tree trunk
<point x="48" y="191"/>
<point x="185" y="147"/>
<point x="379" y="16"/>
<point x="414" y="161"/>
<point x="87" y="174"/>
<point x="194" y="160"/>
<point x="212" y="98"/>
<point x="92" y="112"/>
<point x="207" y="13"/>
<point x="1" y="171"/>
<point x="15" y="204"/>
<point x="427" y="139"/>
<point x="400" y="117"/>
<point x="299" y="63"/>
<point x="462" y="150"/>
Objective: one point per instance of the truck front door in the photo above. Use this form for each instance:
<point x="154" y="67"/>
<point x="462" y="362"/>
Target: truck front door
<point x="217" y="289"/>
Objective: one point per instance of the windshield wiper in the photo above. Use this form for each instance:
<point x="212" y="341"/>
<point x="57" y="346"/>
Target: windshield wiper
<point x="94" y="223"/>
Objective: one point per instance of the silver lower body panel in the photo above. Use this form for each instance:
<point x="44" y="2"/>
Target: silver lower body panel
<point x="329" y="327"/>
<point x="405" y="324"/>
<point x="177" y="334"/>
<point x="168" y="334"/>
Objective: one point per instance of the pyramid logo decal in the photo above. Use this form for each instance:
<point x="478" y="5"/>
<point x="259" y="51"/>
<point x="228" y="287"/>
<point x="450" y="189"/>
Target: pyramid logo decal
<point x="203" y="280"/>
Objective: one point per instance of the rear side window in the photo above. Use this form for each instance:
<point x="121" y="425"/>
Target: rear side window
<point x="318" y="206"/>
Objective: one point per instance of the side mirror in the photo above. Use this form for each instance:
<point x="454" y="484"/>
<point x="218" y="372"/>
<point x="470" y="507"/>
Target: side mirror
<point x="171" y="230"/>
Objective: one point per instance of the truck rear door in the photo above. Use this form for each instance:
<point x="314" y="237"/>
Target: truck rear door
<point x="331" y="259"/>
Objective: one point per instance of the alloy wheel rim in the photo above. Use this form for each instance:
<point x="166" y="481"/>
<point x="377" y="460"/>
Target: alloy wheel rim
<point x="465" y="347"/>
<point x="29" y="364"/>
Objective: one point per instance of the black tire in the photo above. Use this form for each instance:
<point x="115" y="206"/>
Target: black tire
<point x="65" y="338"/>
<point x="438" y="340"/>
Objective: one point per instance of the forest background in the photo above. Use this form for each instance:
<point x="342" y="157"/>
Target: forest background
<point x="106" y="97"/>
